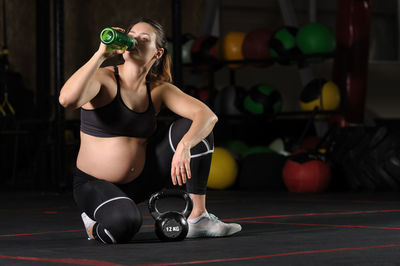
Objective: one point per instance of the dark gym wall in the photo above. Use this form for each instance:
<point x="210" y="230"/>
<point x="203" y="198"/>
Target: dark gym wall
<point x="84" y="20"/>
<point x="21" y="38"/>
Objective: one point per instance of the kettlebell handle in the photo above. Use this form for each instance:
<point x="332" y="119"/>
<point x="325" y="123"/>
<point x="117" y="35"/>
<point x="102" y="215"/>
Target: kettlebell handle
<point x="170" y="194"/>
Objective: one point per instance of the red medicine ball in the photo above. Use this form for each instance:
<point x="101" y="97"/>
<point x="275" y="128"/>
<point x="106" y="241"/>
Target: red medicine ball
<point x="256" y="44"/>
<point x="304" y="173"/>
<point x="203" y="51"/>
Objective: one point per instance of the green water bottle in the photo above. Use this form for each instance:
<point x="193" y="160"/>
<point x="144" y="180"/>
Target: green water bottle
<point x="116" y="40"/>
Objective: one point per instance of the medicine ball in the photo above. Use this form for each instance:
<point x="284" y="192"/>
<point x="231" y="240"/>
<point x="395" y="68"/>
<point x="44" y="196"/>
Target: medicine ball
<point x="223" y="170"/>
<point x="320" y="93"/>
<point x="257" y="149"/>
<point x="203" y="94"/>
<point x="337" y="120"/>
<point x="306" y="172"/>
<point x="315" y="38"/>
<point x="187" y="43"/>
<point x="230" y="47"/>
<point x="262" y="100"/>
<point x="237" y="148"/>
<point x="283" y="44"/>
<point x="256" y="45"/>
<point x="203" y="51"/>
<point x="229" y="100"/>
<point x="310" y="142"/>
<point x="392" y="165"/>
<point x="278" y="145"/>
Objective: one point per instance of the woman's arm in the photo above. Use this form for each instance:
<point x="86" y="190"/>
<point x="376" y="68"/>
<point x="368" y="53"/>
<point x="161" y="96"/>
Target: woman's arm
<point x="83" y="85"/>
<point x="86" y="82"/>
<point x="203" y="121"/>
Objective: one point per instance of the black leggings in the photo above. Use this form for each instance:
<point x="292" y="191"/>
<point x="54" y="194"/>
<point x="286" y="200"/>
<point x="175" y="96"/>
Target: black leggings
<point x="113" y="206"/>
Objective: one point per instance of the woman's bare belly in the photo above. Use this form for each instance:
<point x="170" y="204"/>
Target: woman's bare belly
<point x="117" y="159"/>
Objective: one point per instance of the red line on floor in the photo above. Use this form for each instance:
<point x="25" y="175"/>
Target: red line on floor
<point x="43" y="233"/>
<point x="55" y="232"/>
<point x="105" y="263"/>
<point x="337" y="200"/>
<point x="63" y="260"/>
<point x="35" y="209"/>
<point x="271" y="255"/>
<point x="310" y="214"/>
<point x="326" y="225"/>
<point x="148" y="225"/>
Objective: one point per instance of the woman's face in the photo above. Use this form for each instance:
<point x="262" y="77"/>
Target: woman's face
<point x="146" y="49"/>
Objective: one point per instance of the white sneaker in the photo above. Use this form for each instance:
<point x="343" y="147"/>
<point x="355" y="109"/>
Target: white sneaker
<point x="88" y="223"/>
<point x="209" y="226"/>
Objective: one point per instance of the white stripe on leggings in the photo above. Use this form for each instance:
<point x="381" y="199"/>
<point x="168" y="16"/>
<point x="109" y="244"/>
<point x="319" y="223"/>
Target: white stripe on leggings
<point x="193" y="155"/>
<point x="97" y="231"/>
<point x="110" y="236"/>
<point x="117" y="198"/>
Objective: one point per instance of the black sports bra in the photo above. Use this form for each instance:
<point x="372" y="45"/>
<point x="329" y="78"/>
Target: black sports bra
<point x="116" y="119"/>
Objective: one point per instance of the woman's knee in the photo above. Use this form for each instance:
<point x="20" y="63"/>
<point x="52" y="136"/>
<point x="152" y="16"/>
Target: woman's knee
<point x="118" y="223"/>
<point x="124" y="226"/>
<point x="179" y="128"/>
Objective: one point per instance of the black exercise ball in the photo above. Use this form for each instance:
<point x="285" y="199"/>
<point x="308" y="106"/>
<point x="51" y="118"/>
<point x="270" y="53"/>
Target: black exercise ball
<point x="263" y="99"/>
<point x="229" y="100"/>
<point x="283" y="45"/>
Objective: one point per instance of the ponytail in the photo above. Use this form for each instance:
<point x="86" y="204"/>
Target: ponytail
<point x="161" y="69"/>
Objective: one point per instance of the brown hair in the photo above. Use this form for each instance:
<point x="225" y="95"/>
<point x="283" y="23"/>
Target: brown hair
<point x="161" y="69"/>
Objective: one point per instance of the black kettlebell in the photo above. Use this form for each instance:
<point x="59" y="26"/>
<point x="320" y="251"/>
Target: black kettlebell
<point x="172" y="225"/>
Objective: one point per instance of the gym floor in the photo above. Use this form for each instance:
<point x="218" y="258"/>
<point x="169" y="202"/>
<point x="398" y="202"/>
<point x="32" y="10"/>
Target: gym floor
<point x="278" y="229"/>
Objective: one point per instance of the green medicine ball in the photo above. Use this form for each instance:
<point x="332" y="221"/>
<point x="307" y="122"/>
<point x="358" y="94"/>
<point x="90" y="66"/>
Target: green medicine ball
<point x="237" y="148"/>
<point x="263" y="99"/>
<point x="257" y="149"/>
<point x="283" y="44"/>
<point x="315" y="38"/>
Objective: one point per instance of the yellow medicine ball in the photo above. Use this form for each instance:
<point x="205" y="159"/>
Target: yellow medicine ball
<point x="320" y="93"/>
<point x="223" y="171"/>
<point x="230" y="47"/>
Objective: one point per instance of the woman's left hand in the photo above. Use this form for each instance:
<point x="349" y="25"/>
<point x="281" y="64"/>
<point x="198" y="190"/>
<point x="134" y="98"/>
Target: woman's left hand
<point x="180" y="166"/>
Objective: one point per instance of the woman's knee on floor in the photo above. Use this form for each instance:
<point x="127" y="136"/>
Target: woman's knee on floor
<point x="118" y="222"/>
